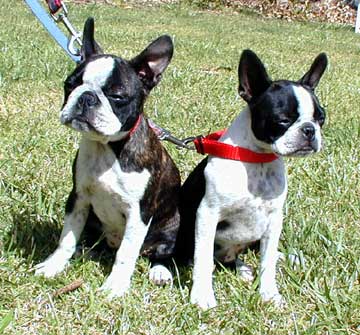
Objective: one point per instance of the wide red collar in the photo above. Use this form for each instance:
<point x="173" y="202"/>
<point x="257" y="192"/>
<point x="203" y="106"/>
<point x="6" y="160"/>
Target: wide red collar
<point x="210" y="145"/>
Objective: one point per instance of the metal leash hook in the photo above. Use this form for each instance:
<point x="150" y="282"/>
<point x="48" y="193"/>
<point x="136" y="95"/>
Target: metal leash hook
<point x="186" y="141"/>
<point x="165" y="135"/>
<point x="75" y="36"/>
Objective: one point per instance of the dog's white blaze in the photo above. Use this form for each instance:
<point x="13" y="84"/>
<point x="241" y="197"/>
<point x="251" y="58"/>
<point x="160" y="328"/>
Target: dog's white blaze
<point x="98" y="71"/>
<point x="306" y="104"/>
<point x="306" y="111"/>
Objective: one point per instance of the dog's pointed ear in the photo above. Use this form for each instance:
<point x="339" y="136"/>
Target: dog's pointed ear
<point x="89" y="45"/>
<point x="253" y="78"/>
<point x="152" y="62"/>
<point x="317" y="69"/>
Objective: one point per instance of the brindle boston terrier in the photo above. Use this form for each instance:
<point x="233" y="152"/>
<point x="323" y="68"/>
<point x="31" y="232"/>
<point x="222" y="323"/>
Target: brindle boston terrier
<point x="121" y="173"/>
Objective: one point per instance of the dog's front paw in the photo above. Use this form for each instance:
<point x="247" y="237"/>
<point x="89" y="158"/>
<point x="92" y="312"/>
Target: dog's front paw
<point x="50" y="267"/>
<point x="274" y="297"/>
<point x="205" y="299"/>
<point x="114" y="287"/>
<point x="160" y="275"/>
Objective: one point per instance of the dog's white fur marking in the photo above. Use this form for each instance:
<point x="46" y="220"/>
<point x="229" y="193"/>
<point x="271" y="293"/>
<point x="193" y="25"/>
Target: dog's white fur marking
<point x="289" y="143"/>
<point x="306" y="105"/>
<point x="115" y="196"/>
<point x="207" y="217"/>
<point x="98" y="71"/>
<point x="250" y="198"/>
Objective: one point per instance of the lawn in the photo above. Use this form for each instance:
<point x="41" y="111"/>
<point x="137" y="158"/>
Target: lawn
<point x="198" y="94"/>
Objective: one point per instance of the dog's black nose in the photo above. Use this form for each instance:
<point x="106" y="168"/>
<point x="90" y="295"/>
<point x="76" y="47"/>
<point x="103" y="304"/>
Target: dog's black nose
<point x="308" y="131"/>
<point x="87" y="99"/>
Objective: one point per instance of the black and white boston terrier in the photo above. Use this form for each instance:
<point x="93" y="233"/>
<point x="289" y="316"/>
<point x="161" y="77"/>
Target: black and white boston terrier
<point x="121" y="174"/>
<point x="228" y="205"/>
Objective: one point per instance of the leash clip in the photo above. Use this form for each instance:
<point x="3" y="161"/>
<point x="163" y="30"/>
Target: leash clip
<point x="165" y="135"/>
<point x="75" y="36"/>
<point x="185" y="143"/>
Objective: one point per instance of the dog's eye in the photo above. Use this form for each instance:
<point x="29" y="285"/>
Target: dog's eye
<point x="284" y="123"/>
<point x="117" y="97"/>
<point x="319" y="116"/>
<point x="321" y="120"/>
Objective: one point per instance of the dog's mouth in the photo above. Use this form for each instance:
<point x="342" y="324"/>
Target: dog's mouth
<point x="84" y="125"/>
<point x="299" y="151"/>
<point x="304" y="151"/>
<point x="77" y="123"/>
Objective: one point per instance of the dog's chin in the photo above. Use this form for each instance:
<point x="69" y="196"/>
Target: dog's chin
<point x="80" y="126"/>
<point x="303" y="152"/>
<point x="297" y="152"/>
<point x="92" y="133"/>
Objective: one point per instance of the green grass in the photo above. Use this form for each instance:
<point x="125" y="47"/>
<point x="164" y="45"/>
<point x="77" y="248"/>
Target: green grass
<point x="197" y="95"/>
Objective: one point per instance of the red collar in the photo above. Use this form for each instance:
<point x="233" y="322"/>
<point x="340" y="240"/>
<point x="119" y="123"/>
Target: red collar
<point x="210" y="145"/>
<point x="135" y="126"/>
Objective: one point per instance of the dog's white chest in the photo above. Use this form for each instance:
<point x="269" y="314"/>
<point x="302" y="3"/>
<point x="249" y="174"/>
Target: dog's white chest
<point x="111" y="192"/>
<point x="247" y="196"/>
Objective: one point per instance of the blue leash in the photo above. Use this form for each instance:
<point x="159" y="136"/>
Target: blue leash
<point x="49" y="24"/>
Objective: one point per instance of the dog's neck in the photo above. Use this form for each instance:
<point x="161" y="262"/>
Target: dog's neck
<point x="240" y="134"/>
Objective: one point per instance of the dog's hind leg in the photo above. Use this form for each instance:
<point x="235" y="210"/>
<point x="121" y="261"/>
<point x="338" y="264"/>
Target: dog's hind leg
<point x="244" y="271"/>
<point x="160" y="275"/>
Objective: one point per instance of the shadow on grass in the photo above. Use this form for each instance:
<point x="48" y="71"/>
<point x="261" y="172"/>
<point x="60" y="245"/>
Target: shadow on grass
<point x="34" y="238"/>
<point x="30" y="236"/>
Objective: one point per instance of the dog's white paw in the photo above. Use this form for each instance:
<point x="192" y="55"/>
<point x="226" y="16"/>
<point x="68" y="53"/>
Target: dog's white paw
<point x="244" y="271"/>
<point x="160" y="275"/>
<point x="274" y="297"/>
<point x="50" y="267"/>
<point x="205" y="299"/>
<point x="114" y="287"/>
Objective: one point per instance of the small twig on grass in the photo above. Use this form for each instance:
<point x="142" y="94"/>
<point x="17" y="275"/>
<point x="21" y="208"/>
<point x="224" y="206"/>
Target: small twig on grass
<point x="68" y="288"/>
